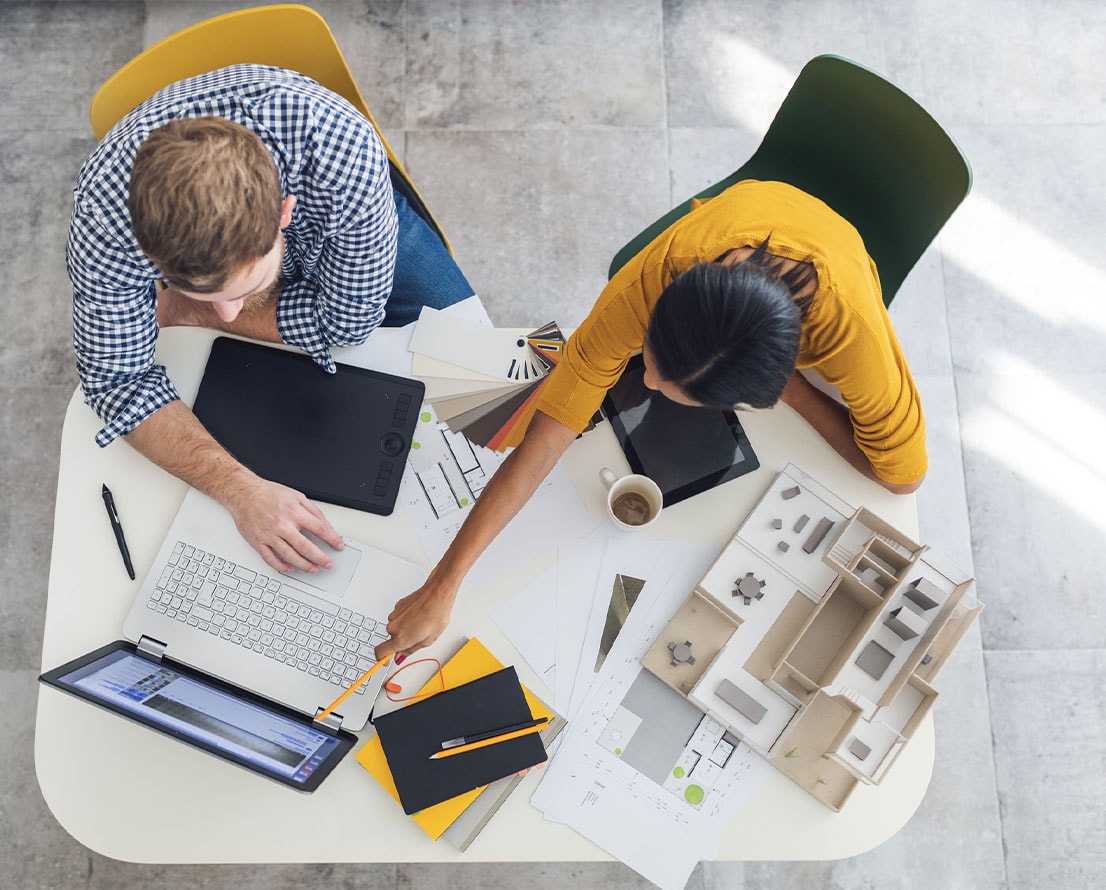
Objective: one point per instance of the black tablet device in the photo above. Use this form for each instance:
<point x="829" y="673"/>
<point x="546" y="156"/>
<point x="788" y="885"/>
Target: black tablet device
<point x="206" y="713"/>
<point x="684" y="450"/>
<point x="342" y="438"/>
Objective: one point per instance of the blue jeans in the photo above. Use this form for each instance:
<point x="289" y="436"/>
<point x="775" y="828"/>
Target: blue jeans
<point x="425" y="274"/>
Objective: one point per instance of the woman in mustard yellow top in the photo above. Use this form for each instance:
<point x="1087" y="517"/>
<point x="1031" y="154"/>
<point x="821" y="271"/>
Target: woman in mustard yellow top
<point x="726" y="305"/>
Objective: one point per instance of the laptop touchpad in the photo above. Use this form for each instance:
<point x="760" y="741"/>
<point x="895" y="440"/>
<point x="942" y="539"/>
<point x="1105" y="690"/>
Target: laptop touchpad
<point x="334" y="580"/>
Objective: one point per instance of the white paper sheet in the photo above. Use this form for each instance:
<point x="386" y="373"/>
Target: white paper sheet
<point x="629" y="774"/>
<point x="577" y="568"/>
<point x="526" y="619"/>
<point x="388" y="349"/>
<point x="445" y="475"/>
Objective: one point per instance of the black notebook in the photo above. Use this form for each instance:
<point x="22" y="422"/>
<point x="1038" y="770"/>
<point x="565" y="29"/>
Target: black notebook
<point x="342" y="438"/>
<point x="410" y="735"/>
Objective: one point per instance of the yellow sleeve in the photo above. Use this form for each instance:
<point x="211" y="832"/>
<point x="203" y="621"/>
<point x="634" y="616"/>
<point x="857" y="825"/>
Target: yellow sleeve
<point x="614" y="330"/>
<point x="597" y="352"/>
<point x="858" y="352"/>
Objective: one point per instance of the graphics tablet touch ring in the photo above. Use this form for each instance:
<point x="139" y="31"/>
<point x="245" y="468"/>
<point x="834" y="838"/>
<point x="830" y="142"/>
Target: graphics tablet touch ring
<point x="392" y="444"/>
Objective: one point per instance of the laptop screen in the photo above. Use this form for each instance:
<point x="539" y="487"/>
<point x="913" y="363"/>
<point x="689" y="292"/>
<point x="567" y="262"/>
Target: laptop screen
<point x="205" y="713"/>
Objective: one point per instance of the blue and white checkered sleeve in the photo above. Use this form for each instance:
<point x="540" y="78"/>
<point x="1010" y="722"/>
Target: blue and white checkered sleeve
<point x="343" y="302"/>
<point x="114" y="330"/>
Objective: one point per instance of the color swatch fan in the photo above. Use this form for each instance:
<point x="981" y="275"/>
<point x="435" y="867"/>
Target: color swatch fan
<point x="481" y="381"/>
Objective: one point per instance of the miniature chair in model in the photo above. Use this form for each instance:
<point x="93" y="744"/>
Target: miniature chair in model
<point x="285" y="36"/>
<point x="865" y="148"/>
<point x="681" y="653"/>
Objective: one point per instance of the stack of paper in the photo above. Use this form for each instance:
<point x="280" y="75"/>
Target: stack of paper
<point x="481" y="381"/>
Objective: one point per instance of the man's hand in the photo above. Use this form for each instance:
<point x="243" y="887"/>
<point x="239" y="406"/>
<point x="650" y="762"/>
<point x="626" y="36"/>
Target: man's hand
<point x="270" y="517"/>
<point x="417" y="621"/>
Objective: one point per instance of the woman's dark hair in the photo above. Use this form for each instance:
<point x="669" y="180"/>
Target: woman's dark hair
<point x="729" y="334"/>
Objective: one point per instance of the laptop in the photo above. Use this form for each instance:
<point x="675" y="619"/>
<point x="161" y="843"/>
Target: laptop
<point x="195" y="708"/>
<point x="301" y="639"/>
<point x="341" y="438"/>
<point x="250" y="655"/>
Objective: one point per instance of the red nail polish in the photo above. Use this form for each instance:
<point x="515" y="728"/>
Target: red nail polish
<point x="399" y="659"/>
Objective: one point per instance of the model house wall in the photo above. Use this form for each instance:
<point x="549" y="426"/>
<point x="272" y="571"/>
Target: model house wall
<point x="816" y="637"/>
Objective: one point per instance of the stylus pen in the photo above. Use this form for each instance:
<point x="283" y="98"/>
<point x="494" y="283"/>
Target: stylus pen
<point x="116" y="527"/>
<point x="494" y="737"/>
<point x="322" y="715"/>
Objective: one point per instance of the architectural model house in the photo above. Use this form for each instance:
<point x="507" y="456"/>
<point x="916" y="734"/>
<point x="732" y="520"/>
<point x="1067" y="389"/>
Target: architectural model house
<point x="818" y="633"/>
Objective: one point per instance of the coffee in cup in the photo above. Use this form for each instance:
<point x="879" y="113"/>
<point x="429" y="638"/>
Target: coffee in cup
<point x="633" y="501"/>
<point x="631" y="508"/>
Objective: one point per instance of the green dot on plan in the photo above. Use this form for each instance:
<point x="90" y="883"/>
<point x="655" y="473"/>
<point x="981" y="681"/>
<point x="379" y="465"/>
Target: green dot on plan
<point x="425" y="417"/>
<point x="678" y="772"/>
<point x="694" y="795"/>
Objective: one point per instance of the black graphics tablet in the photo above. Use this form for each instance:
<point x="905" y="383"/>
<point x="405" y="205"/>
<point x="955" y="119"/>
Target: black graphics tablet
<point x="684" y="450"/>
<point x="341" y="438"/>
<point x="206" y="713"/>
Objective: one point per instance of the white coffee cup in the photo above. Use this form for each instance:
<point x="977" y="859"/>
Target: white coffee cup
<point x="633" y="501"/>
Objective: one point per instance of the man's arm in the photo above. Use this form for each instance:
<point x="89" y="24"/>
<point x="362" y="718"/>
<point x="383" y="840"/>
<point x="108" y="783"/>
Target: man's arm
<point x="268" y="515"/>
<point x="419" y="619"/>
<point x="830" y="420"/>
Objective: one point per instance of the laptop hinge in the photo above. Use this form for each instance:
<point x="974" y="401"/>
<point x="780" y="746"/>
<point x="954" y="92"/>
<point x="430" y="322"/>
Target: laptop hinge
<point x="332" y="722"/>
<point x="153" y="649"/>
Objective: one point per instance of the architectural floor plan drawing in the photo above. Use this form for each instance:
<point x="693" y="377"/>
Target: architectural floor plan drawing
<point x="668" y="740"/>
<point x="816" y="636"/>
<point x="444" y="477"/>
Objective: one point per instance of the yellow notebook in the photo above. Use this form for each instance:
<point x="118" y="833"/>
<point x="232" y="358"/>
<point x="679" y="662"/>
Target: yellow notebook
<point x="472" y="662"/>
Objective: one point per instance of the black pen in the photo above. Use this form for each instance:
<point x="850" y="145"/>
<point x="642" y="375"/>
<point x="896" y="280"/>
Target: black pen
<point x="113" y="515"/>
<point x="483" y="736"/>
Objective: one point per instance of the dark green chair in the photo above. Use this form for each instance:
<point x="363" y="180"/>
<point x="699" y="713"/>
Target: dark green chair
<point x="873" y="154"/>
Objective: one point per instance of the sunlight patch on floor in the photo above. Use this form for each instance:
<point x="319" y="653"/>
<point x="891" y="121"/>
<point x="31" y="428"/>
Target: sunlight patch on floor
<point x="1045" y="434"/>
<point x="1039" y="274"/>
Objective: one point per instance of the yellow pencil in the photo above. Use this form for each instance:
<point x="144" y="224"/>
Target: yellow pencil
<point x="538" y="726"/>
<point x="364" y="678"/>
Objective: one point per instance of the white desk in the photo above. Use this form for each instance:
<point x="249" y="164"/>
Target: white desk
<point x="133" y="795"/>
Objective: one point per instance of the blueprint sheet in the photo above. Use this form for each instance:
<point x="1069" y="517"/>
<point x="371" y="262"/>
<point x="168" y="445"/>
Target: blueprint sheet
<point x="640" y="771"/>
<point x="444" y="477"/>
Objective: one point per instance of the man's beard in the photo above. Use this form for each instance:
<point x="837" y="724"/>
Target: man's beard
<point x="255" y="301"/>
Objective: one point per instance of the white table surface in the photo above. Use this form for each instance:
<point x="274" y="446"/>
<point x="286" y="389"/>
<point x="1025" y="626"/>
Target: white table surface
<point x="133" y="795"/>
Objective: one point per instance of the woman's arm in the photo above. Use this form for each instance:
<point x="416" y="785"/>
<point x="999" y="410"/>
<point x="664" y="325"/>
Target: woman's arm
<point x="831" y="420"/>
<point x="419" y="618"/>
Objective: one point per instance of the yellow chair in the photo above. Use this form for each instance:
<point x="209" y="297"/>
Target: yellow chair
<point x="285" y="36"/>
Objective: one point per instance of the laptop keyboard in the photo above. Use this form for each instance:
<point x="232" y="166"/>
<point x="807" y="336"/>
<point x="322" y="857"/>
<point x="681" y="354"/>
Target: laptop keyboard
<point x="267" y="616"/>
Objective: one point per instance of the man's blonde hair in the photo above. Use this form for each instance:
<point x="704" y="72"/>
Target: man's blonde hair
<point x="205" y="201"/>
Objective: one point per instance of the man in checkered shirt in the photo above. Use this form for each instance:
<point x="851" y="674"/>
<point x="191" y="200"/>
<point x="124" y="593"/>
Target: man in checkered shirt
<point x="263" y="202"/>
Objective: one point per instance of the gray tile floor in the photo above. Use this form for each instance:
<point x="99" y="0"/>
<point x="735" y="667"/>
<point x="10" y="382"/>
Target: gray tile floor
<point x="544" y="134"/>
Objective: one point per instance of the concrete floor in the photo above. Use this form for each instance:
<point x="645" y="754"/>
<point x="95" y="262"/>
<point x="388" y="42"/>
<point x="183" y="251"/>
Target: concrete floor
<point x="544" y="134"/>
